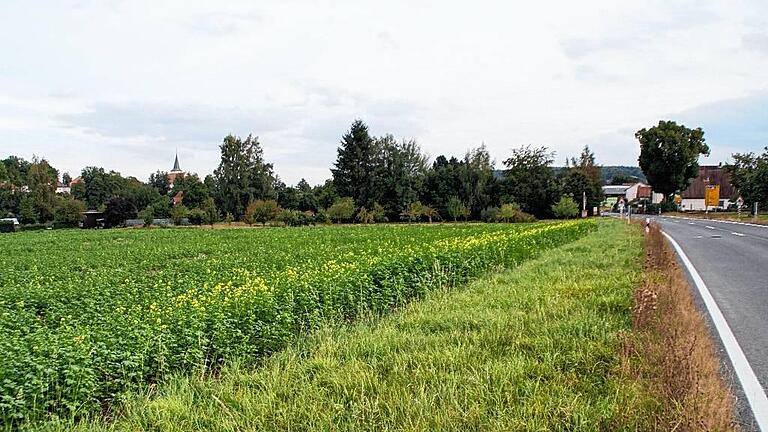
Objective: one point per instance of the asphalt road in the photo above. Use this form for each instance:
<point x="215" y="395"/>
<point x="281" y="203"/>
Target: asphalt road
<point x="732" y="259"/>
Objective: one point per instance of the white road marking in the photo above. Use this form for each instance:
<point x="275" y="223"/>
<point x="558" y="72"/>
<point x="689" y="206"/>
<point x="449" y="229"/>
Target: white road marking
<point x="699" y="237"/>
<point x="756" y="397"/>
<point x="691" y="223"/>
<point x="709" y="227"/>
<point x="738" y="234"/>
<point x="719" y="221"/>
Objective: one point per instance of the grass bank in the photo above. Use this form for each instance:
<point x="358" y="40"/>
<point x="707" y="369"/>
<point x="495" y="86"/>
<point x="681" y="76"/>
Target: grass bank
<point x="532" y="348"/>
<point x="670" y="350"/>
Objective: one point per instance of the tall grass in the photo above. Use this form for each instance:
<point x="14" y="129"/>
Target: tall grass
<point x="671" y="350"/>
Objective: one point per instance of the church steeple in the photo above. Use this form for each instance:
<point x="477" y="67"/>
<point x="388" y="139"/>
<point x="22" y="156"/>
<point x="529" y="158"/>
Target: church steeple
<point x="176" y="163"/>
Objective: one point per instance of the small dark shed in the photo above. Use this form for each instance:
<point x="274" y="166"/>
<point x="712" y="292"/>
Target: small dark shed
<point x="93" y="219"/>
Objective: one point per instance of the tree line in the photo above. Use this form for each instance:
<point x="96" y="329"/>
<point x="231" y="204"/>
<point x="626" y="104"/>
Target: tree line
<point x="374" y="179"/>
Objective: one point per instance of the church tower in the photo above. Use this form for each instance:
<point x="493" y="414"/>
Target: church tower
<point x="175" y="172"/>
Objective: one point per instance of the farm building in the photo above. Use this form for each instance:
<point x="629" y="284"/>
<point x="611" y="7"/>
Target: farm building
<point x="709" y="175"/>
<point x="631" y="192"/>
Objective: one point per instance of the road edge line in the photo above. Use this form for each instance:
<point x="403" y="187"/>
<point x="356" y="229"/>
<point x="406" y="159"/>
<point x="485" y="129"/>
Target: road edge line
<point x="758" y="402"/>
<point x="717" y="220"/>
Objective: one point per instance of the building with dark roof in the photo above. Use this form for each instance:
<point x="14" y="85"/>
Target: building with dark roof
<point x="709" y="175"/>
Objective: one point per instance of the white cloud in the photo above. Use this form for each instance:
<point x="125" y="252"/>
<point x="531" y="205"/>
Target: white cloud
<point x="124" y="83"/>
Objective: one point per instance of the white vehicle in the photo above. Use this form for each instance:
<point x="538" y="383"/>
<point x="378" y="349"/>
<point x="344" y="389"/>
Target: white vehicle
<point x="14" y="220"/>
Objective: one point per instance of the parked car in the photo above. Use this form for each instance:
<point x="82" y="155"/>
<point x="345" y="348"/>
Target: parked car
<point x="9" y="224"/>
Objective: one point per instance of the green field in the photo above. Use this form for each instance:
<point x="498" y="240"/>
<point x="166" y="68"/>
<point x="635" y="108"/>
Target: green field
<point x="90" y="317"/>
<point x="533" y="348"/>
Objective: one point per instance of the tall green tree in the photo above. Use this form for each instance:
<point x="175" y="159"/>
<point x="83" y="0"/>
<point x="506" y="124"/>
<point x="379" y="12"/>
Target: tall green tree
<point x="159" y="181"/>
<point x="195" y="192"/>
<point x="3" y="173"/>
<point x="583" y="176"/>
<point x="16" y="169"/>
<point x="325" y="194"/>
<point x="42" y="180"/>
<point x="353" y="172"/>
<point x="399" y="174"/>
<point x="117" y="210"/>
<point x="442" y="182"/>
<point x="669" y="155"/>
<point x="99" y="187"/>
<point x="749" y="174"/>
<point x="530" y="182"/>
<point x="139" y="193"/>
<point x="479" y="187"/>
<point x="242" y="176"/>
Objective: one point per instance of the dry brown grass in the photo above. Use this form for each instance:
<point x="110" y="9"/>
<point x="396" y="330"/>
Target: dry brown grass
<point x="670" y="350"/>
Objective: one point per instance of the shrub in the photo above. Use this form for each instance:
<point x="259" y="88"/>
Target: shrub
<point x="490" y="214"/>
<point x="68" y="212"/>
<point x="211" y="214"/>
<point x="179" y="213"/>
<point x="147" y="215"/>
<point x="343" y="209"/>
<point x="322" y="217"/>
<point x="457" y="209"/>
<point x="118" y="210"/>
<point x="197" y="216"/>
<point x="7" y="226"/>
<point x="413" y="212"/>
<point x="261" y="211"/>
<point x="566" y="208"/>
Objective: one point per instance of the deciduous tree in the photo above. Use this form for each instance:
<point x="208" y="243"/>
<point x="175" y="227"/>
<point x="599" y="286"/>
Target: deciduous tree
<point x="530" y="181"/>
<point x="669" y="155"/>
<point x="242" y="176"/>
<point x="749" y="174"/>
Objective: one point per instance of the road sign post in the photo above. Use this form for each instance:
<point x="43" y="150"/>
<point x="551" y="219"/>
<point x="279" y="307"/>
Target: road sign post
<point x="739" y="205"/>
<point x="621" y="207"/>
<point x="712" y="196"/>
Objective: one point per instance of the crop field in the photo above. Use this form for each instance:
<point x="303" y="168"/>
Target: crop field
<point x="88" y="316"/>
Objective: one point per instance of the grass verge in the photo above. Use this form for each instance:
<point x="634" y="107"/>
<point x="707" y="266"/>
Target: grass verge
<point x="532" y="348"/>
<point x="671" y="351"/>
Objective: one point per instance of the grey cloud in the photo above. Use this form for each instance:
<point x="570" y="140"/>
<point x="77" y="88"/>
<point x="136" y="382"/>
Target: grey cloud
<point x="579" y="48"/>
<point x="739" y="123"/>
<point x="634" y="32"/>
<point x="756" y="41"/>
<point x="222" y="24"/>
<point x="175" y="123"/>
<point x="291" y="134"/>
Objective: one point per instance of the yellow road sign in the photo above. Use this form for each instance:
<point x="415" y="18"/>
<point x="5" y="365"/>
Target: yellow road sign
<point x="712" y="196"/>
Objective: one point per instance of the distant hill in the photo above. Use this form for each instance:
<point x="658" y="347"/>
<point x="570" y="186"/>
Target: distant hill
<point x="609" y="172"/>
<point x="612" y="171"/>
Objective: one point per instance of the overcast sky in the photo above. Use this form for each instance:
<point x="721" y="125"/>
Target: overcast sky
<point x="123" y="84"/>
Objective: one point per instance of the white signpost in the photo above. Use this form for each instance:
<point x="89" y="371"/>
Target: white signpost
<point x="739" y="205"/>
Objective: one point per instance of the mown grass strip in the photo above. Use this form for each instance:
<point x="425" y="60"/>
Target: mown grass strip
<point x="532" y="348"/>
